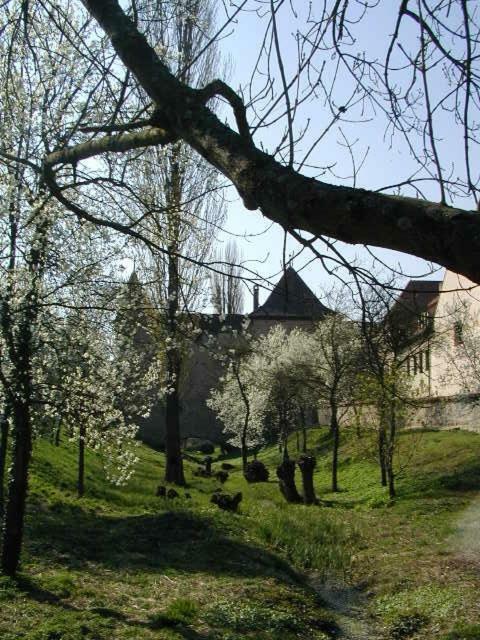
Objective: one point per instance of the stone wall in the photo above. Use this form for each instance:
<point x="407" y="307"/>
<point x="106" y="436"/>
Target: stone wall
<point x="451" y="412"/>
<point x="202" y="372"/>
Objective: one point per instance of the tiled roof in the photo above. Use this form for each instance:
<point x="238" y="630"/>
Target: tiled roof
<point x="291" y="297"/>
<point x="419" y="296"/>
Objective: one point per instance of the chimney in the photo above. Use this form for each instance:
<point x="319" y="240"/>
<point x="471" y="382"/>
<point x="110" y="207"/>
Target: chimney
<point x="255" y="297"/>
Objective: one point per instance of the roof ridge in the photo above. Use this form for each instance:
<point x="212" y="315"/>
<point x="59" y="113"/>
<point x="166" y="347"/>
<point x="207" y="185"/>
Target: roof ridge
<point x="291" y="296"/>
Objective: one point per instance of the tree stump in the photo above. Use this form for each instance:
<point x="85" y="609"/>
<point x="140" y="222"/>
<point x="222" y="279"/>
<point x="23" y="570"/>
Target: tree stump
<point x="225" y="501"/>
<point x="207" y="461"/>
<point x="256" y="471"/>
<point x="307" y="465"/>
<point x="286" y="475"/>
<point x="221" y="476"/>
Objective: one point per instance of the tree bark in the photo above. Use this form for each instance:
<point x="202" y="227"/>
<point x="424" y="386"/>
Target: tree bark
<point x="246" y="402"/>
<point x="433" y="231"/>
<point x="173" y="451"/>
<point x="286" y="475"/>
<point x="208" y="465"/>
<point x="307" y="465"/>
<point x="57" y="433"/>
<point x="382" y="451"/>
<point x="304" y="430"/>
<point x="392" y="435"/>
<point x="391" y="482"/>
<point x="244" y="454"/>
<point x="17" y="488"/>
<point x="4" y="428"/>
<point x="335" y="430"/>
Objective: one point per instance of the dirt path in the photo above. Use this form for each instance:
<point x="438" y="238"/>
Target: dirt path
<point x="349" y="605"/>
<point x="465" y="541"/>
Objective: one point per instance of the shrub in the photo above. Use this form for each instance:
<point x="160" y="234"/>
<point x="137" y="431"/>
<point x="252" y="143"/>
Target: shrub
<point x="181" y="611"/>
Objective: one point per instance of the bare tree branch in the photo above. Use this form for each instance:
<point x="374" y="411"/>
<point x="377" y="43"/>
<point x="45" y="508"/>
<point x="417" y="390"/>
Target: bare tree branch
<point x="433" y="231"/>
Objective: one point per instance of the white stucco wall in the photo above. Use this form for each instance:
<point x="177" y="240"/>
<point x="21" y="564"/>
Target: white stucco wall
<point x="454" y="367"/>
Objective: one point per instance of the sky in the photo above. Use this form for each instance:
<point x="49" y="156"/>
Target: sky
<point x="385" y="164"/>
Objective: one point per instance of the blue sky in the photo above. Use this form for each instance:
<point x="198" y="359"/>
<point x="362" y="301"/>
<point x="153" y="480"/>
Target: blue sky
<point x="385" y="164"/>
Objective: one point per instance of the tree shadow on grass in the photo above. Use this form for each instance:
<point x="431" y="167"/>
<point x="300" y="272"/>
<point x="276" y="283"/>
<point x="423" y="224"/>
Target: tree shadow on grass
<point x="438" y="485"/>
<point x="74" y="616"/>
<point x="175" y="540"/>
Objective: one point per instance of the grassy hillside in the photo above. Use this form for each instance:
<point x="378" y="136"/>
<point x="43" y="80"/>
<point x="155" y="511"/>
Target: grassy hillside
<point x="122" y="563"/>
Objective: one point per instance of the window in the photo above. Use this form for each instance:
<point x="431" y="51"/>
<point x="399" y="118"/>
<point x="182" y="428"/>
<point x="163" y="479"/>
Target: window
<point x="420" y="362"/>
<point x="427" y="359"/>
<point x="423" y="320"/>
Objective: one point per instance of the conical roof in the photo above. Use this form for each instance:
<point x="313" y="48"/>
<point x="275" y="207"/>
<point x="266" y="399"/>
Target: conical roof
<point x="291" y="297"/>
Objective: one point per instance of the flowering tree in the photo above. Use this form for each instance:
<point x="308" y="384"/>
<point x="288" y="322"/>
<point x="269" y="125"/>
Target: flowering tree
<point x="283" y="365"/>
<point x="331" y="355"/>
<point x="178" y="199"/>
<point x="265" y="383"/>
<point x="383" y="387"/>
<point x="44" y="254"/>
<point x="238" y="402"/>
<point x="94" y="397"/>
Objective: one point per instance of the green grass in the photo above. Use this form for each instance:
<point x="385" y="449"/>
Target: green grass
<point x="121" y="563"/>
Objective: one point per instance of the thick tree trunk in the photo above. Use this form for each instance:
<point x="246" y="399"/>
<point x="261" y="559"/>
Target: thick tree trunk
<point x="17" y="488"/>
<point x="173" y="451"/>
<point x="4" y="428"/>
<point x="286" y="475"/>
<point x="429" y="230"/>
<point x="304" y="430"/>
<point x="307" y="465"/>
<point x="381" y="455"/>
<point x="335" y="429"/>
<point x="81" y="461"/>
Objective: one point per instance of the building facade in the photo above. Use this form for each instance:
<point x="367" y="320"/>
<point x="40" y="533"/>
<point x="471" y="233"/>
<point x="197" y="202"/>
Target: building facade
<point x="291" y="304"/>
<point x="443" y="358"/>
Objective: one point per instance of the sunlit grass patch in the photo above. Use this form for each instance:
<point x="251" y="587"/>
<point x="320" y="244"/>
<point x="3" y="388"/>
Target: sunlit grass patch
<point x="310" y="537"/>
<point x="431" y="601"/>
